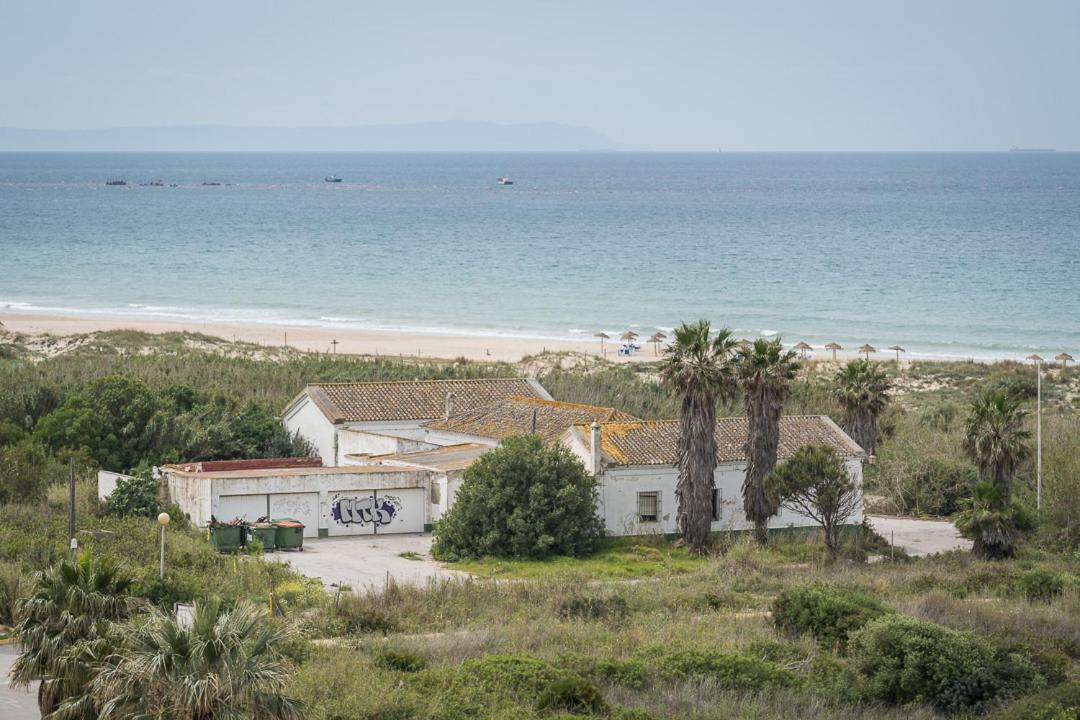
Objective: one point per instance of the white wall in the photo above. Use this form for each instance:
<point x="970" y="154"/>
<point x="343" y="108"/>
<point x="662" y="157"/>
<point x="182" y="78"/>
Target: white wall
<point x="106" y="483"/>
<point x="353" y="440"/>
<point x="309" y="421"/>
<point x="192" y="494"/>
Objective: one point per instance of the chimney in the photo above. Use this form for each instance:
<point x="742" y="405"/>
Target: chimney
<point x="449" y="410"/>
<point x="595" y="442"/>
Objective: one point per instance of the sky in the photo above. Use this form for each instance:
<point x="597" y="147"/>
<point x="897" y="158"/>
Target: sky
<point x="677" y="75"/>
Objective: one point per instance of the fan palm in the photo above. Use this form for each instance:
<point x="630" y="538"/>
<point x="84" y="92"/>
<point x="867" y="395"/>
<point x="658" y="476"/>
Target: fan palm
<point x="698" y="366"/>
<point x="225" y="665"/>
<point x="72" y="608"/>
<point x="765" y="372"/>
<point x="861" y="387"/>
<point x="995" y="438"/>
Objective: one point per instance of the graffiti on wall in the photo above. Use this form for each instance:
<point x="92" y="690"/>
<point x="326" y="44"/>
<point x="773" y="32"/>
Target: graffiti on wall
<point x="364" y="510"/>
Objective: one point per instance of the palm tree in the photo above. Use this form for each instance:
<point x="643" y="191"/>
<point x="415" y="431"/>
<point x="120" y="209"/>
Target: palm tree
<point x="698" y="367"/>
<point x="71" y="611"/>
<point x="995" y="438"/>
<point x="765" y="372"/>
<point x="862" y="389"/>
<point x="225" y="665"/>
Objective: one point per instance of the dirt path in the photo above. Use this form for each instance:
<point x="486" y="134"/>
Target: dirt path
<point x="919" y="537"/>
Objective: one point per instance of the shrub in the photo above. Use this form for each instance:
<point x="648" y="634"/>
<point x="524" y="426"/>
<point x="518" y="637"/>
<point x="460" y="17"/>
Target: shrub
<point x="1041" y="585"/>
<point x="728" y="670"/>
<point x="1057" y="703"/>
<point x="521" y="500"/>
<point x="13" y="585"/>
<point x="827" y="612"/>
<point x="593" y="607"/>
<point x="905" y="660"/>
<point x="400" y="660"/>
<point x="24" y="473"/>
<point x="571" y="693"/>
<point x="631" y="673"/>
<point x="135" y="496"/>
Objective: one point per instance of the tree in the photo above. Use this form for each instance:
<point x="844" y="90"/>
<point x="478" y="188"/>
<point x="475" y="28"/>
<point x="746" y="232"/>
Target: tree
<point x="522" y="500"/>
<point x="861" y="387"/>
<point x="71" y="612"/>
<point x="765" y="373"/>
<point x="136" y="495"/>
<point x="24" y="473"/>
<point x="995" y="438"/>
<point x="227" y="664"/>
<point x="815" y="483"/>
<point x="698" y="367"/>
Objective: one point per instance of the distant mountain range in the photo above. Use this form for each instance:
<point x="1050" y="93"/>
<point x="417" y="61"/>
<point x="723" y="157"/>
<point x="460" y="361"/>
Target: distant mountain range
<point x="420" y="137"/>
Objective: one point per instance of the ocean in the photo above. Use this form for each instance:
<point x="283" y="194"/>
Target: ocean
<point x="949" y="255"/>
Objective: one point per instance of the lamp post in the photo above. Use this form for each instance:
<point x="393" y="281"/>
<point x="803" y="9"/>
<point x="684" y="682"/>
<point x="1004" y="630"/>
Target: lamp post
<point x="163" y="520"/>
<point x="1038" y="430"/>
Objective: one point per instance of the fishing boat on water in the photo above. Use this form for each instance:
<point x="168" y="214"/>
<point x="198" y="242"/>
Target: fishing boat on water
<point x="116" y="181"/>
<point x="505" y="181"/>
<point x="331" y="178"/>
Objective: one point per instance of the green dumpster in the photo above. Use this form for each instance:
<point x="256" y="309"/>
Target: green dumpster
<point x="227" y="538"/>
<point x="290" y="534"/>
<point x="264" y="532"/>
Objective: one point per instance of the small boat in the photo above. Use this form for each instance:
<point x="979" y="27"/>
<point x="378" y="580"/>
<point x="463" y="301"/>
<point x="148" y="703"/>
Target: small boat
<point x="116" y="181"/>
<point x="153" y="183"/>
<point x="505" y="181"/>
<point x="331" y="178"/>
<point x="211" y="183"/>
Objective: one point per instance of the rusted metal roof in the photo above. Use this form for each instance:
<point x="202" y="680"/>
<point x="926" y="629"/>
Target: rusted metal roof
<point x="516" y="416"/>
<point x="656" y="442"/>
<point x="416" y="400"/>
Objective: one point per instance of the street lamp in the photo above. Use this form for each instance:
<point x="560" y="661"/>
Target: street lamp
<point x="1038" y="430"/>
<point x="163" y="520"/>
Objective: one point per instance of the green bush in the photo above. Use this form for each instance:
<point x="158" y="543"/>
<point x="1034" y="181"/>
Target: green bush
<point x="728" y="670"/>
<point x="1041" y="585"/>
<point x="630" y="673"/>
<point x="830" y="614"/>
<point x="135" y="496"/>
<point x="521" y="500"/>
<point x="400" y="660"/>
<point x="24" y="473"/>
<point x="571" y="693"/>
<point x="905" y="660"/>
<point x="593" y="606"/>
<point x="1056" y="703"/>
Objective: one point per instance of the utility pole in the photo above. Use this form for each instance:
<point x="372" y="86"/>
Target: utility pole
<point x="72" y="542"/>
<point x="335" y="344"/>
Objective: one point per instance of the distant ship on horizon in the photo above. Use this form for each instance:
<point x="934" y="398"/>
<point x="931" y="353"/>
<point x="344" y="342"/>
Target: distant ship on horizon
<point x="1031" y="150"/>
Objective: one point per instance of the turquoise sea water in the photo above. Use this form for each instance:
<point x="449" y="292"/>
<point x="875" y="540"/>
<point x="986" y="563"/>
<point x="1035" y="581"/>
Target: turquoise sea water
<point x="965" y="255"/>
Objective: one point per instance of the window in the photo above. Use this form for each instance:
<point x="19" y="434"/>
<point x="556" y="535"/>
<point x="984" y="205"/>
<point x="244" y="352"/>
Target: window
<point x="648" y="506"/>
<point x="717" y="504"/>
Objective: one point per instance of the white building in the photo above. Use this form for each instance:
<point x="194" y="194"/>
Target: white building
<point x="375" y="418"/>
<point x="635" y="463"/>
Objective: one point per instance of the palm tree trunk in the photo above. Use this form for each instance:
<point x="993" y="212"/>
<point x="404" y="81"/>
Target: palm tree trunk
<point x="763" y="420"/>
<point x="697" y="465"/>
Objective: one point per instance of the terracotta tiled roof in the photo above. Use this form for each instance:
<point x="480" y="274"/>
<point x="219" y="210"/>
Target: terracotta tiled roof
<point x="514" y="416"/>
<point x="412" y="399"/>
<point x="656" y="442"/>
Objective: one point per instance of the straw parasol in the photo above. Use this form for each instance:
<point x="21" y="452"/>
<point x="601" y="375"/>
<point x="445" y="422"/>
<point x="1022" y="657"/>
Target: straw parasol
<point x="1034" y="358"/>
<point x="803" y="348"/>
<point x="603" y="336"/>
<point x="867" y="349"/>
<point x="629" y="336"/>
<point x="897" y="349"/>
<point x="834" y="347"/>
<point x="657" y="338"/>
<point x="1064" y="359"/>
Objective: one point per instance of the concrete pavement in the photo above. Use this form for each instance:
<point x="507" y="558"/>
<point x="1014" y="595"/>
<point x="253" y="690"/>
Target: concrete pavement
<point x="366" y="561"/>
<point x="919" y="537"/>
<point x="15" y="704"/>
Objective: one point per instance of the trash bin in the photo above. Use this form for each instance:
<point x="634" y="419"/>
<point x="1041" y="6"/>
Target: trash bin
<point x="290" y="534"/>
<point x="264" y="532"/>
<point x="227" y="538"/>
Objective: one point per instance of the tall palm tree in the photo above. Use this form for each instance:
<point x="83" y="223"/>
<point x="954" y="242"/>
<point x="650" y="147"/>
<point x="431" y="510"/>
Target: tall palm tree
<point x="861" y="387"/>
<point x="995" y="438"/>
<point x="225" y="665"/>
<point x="765" y="372"/>
<point x="70" y="611"/>
<point x="699" y="367"/>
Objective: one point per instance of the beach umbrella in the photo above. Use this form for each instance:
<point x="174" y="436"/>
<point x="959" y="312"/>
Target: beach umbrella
<point x="1064" y="359"/>
<point x="867" y="349"/>
<point x="803" y="348"/>
<point x="603" y="336"/>
<point x="628" y="336"/>
<point x="834" y="347"/>
<point x="897" y="349"/>
<point x="1034" y="358"/>
<point x="656" y="339"/>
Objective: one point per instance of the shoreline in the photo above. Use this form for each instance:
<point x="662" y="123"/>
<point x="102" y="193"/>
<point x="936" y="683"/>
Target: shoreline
<point x="357" y="341"/>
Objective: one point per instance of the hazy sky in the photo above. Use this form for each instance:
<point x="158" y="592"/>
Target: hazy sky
<point x="796" y="75"/>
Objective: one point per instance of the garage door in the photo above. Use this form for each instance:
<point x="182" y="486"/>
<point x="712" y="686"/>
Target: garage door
<point x="298" y="506"/>
<point x="246" y="507"/>
<point x="368" y="512"/>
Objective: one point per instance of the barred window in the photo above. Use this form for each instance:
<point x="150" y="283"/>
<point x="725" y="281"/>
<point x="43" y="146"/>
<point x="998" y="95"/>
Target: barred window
<point x="648" y="506"/>
<point x="717" y="504"/>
